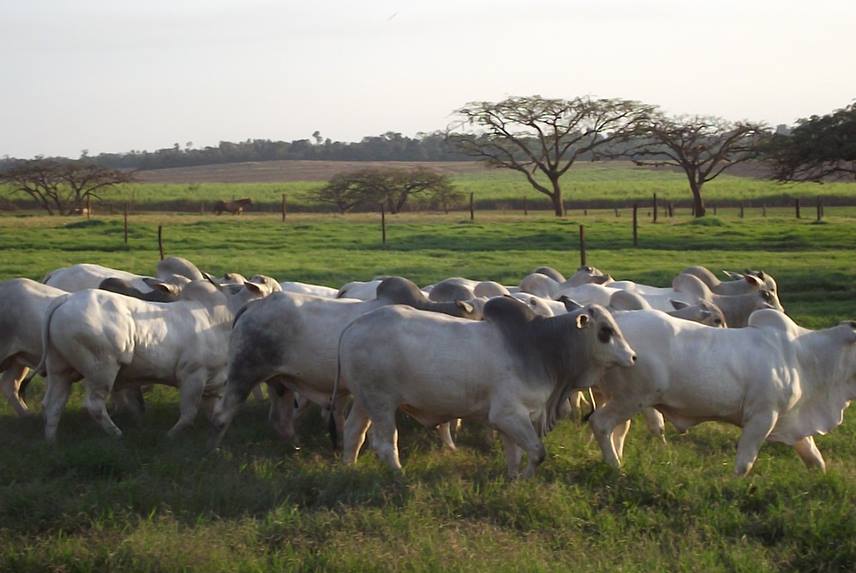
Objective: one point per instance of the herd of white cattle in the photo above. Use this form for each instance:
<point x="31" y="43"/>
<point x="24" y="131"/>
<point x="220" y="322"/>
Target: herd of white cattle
<point x="516" y="357"/>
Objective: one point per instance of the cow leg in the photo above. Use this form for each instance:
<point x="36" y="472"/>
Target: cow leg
<point x="10" y="384"/>
<point x="190" y="392"/>
<point x="513" y="456"/>
<point x="755" y="431"/>
<point x="131" y="400"/>
<point x="56" y="396"/>
<point x="385" y="437"/>
<point x="809" y="454"/>
<point x="656" y="424"/>
<point x="603" y="422"/>
<point x="97" y="391"/>
<point x="281" y="413"/>
<point x="514" y="423"/>
<point x="356" y="425"/>
<point x="445" y="432"/>
<point x="619" y="434"/>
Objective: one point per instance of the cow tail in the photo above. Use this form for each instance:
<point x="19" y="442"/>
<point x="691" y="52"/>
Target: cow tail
<point x="331" y="421"/>
<point x="46" y="326"/>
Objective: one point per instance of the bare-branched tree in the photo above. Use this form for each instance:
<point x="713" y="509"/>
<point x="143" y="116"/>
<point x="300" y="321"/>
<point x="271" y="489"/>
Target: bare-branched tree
<point x="703" y="147"/>
<point x="542" y="138"/>
<point x="62" y="187"/>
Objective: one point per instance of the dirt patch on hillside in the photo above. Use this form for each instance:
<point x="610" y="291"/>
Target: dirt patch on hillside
<point x="277" y="171"/>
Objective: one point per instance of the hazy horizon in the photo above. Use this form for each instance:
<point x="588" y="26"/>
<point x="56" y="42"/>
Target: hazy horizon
<point x="112" y="77"/>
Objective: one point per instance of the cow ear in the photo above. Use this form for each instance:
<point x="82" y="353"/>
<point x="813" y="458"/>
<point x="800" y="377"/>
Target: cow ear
<point x="678" y="304"/>
<point x="212" y="280"/>
<point x="731" y="275"/>
<point x="850" y="331"/>
<point x="465" y="306"/>
<point x="255" y="288"/>
<point x="753" y="280"/>
<point x="164" y="287"/>
<point x="583" y="320"/>
<point x="570" y="304"/>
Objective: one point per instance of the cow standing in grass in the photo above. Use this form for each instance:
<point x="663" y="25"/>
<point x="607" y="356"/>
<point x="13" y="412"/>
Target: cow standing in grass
<point x="234" y="207"/>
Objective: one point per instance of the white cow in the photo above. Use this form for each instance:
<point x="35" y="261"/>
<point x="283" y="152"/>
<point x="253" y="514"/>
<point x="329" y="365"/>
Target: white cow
<point x="23" y="304"/>
<point x="110" y="339"/>
<point x="306" y="288"/>
<point x="289" y="340"/>
<point x="774" y="379"/>
<point x="514" y="371"/>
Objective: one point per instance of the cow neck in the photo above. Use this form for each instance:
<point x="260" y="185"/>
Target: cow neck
<point x="732" y="306"/>
<point x="827" y="391"/>
<point x="561" y="349"/>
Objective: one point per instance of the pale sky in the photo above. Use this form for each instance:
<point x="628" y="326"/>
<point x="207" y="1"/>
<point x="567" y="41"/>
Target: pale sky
<point x="116" y="75"/>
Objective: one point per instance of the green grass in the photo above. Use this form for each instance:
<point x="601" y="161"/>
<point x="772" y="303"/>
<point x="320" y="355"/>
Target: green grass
<point x="617" y="182"/>
<point x="145" y="503"/>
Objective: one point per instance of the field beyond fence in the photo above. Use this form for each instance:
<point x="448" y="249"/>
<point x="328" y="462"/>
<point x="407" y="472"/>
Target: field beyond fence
<point x="145" y="503"/>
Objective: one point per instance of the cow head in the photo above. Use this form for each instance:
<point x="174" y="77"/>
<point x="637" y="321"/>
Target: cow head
<point x="606" y="343"/>
<point x="703" y="312"/>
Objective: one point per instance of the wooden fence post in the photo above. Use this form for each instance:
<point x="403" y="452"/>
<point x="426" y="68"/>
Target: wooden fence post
<point x="472" y="209"/>
<point x="797" y="207"/>
<point x="741" y="210"/>
<point x="635" y="225"/>
<point x="671" y="210"/>
<point x="655" y="207"/>
<point x="126" y="223"/>
<point x="525" y="207"/>
<point x="615" y="210"/>
<point x="160" y="241"/>
<point x="582" y="246"/>
<point x="819" y="210"/>
<point x="383" y="224"/>
<point x="714" y="209"/>
<point x="284" y="207"/>
<point x="763" y="210"/>
<point x="88" y="207"/>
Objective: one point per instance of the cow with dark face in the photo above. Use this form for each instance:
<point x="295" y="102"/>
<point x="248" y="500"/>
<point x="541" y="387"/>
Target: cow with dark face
<point x="514" y="371"/>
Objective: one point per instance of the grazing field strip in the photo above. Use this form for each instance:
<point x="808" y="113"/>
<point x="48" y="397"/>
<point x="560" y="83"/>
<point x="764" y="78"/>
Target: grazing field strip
<point x="146" y="503"/>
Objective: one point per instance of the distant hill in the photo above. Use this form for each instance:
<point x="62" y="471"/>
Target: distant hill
<point x="289" y="170"/>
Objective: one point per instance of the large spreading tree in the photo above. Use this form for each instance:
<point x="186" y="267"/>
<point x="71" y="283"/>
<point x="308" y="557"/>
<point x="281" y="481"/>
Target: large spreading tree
<point x="702" y="147"/>
<point x="541" y="138"/>
<point x="818" y="148"/>
<point x="61" y="187"/>
<point x="373" y="187"/>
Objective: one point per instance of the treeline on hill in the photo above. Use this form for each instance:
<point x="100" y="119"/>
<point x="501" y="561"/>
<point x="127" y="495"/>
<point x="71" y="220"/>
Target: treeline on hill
<point x="390" y="146"/>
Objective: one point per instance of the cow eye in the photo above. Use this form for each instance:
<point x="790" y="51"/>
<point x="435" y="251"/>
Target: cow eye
<point x="604" y="334"/>
<point x="765" y="295"/>
<point x="717" y="321"/>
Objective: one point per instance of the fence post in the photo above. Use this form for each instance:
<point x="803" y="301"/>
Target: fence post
<point x="797" y="207"/>
<point x="472" y="209"/>
<point x="714" y="209"/>
<point x="284" y="207"/>
<point x="525" y="207"/>
<point x="88" y="207"/>
<point x="635" y="225"/>
<point x="160" y="241"/>
<point x="655" y="207"/>
<point x="383" y="224"/>
<point x="741" y="210"/>
<point x="582" y="246"/>
<point x="819" y="210"/>
<point x="615" y="210"/>
<point x="763" y="210"/>
<point x="126" y="223"/>
<point x="671" y="210"/>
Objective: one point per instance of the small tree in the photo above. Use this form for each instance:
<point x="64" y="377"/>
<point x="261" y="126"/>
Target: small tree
<point x="62" y="187"/>
<point x="703" y="147"/>
<point x="535" y="135"/>
<point x="372" y="187"/>
<point x="819" y="147"/>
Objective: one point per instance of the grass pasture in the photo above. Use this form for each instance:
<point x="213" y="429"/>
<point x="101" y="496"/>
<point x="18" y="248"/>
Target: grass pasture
<point x="195" y="188"/>
<point x="145" y="503"/>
